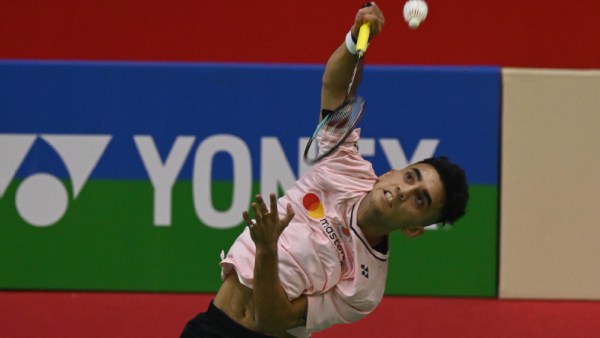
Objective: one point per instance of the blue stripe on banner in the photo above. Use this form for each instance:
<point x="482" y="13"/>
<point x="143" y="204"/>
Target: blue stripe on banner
<point x="457" y="107"/>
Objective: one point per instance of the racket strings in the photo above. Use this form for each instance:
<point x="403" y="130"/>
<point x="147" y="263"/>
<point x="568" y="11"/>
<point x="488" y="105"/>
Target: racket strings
<point x="337" y="126"/>
<point x="343" y="118"/>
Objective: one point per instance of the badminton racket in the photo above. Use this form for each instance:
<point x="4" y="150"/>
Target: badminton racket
<point x="337" y="125"/>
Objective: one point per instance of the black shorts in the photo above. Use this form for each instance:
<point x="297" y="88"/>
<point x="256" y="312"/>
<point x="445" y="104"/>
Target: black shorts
<point x="215" y="324"/>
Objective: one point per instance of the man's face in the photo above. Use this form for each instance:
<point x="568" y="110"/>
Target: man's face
<point x="408" y="198"/>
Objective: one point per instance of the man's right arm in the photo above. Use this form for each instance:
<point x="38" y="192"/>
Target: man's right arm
<point x="340" y="66"/>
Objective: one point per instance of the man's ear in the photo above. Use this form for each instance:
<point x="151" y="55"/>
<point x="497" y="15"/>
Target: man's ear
<point x="414" y="231"/>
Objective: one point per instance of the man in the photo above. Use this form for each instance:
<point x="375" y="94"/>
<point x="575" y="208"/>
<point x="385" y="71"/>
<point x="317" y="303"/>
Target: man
<point x="318" y="256"/>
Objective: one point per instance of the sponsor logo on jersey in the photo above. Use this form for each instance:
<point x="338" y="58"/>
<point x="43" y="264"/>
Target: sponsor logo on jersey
<point x="315" y="210"/>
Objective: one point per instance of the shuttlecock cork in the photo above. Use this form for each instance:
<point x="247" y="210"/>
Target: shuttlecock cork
<point x="415" y="12"/>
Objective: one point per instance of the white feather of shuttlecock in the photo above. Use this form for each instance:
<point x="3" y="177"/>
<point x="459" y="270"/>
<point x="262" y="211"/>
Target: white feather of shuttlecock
<point x="415" y="12"/>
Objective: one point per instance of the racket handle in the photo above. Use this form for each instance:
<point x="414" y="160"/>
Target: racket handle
<point x="363" y="38"/>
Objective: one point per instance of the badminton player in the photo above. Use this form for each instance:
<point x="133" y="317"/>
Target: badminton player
<point x="318" y="256"/>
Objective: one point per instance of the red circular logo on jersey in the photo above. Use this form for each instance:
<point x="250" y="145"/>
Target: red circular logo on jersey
<point x="313" y="205"/>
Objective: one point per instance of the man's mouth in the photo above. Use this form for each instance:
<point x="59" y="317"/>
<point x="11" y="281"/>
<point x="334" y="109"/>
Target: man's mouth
<point x="390" y="198"/>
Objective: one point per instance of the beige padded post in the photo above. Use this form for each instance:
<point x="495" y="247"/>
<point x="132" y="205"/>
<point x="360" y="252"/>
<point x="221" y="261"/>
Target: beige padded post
<point x="550" y="184"/>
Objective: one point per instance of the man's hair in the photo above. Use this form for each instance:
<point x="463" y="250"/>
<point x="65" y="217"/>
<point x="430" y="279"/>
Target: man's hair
<point x="455" y="188"/>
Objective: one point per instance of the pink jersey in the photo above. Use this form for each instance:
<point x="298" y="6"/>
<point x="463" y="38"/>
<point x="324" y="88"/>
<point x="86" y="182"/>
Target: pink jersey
<point x="323" y="253"/>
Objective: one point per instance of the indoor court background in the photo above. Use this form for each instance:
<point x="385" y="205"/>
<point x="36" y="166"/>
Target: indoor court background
<point x="511" y="89"/>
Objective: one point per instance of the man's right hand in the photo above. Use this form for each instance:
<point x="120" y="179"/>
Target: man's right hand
<point x="371" y="14"/>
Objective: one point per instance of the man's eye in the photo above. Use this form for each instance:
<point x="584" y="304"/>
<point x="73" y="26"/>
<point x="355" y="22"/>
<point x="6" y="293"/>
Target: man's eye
<point x="409" y="177"/>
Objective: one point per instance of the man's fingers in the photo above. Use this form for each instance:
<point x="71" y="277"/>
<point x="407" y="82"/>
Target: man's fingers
<point x="249" y="222"/>
<point x="261" y="205"/>
<point x="372" y="14"/>
<point x="262" y="215"/>
<point x="273" y="198"/>
<point x="257" y="213"/>
<point x="288" y="215"/>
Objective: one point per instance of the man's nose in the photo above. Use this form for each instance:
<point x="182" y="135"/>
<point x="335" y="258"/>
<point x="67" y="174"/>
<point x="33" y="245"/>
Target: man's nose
<point x="401" y="193"/>
<point x="404" y="192"/>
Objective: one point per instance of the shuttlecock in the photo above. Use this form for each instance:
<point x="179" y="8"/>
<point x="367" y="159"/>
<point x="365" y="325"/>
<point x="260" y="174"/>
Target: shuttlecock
<point x="415" y="12"/>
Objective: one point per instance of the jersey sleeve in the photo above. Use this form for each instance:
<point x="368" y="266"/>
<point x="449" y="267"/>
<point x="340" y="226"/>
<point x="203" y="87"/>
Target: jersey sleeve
<point x="327" y="140"/>
<point x="336" y="307"/>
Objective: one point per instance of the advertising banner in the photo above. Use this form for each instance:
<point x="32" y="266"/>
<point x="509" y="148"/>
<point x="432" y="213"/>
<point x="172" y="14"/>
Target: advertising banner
<point x="134" y="176"/>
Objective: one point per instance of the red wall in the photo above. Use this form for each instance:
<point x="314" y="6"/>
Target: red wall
<point x="533" y="33"/>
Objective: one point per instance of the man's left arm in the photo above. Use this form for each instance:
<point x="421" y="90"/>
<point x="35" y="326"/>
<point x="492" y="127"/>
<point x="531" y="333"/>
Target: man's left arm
<point x="273" y="312"/>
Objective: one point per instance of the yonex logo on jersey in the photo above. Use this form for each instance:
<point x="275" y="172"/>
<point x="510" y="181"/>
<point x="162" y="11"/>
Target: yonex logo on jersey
<point x="365" y="270"/>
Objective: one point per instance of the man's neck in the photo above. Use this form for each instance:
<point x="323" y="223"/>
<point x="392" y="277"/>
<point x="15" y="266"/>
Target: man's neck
<point x="369" y="225"/>
<point x="376" y="241"/>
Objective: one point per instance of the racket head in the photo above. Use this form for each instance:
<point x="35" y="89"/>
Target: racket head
<point x="334" y="129"/>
